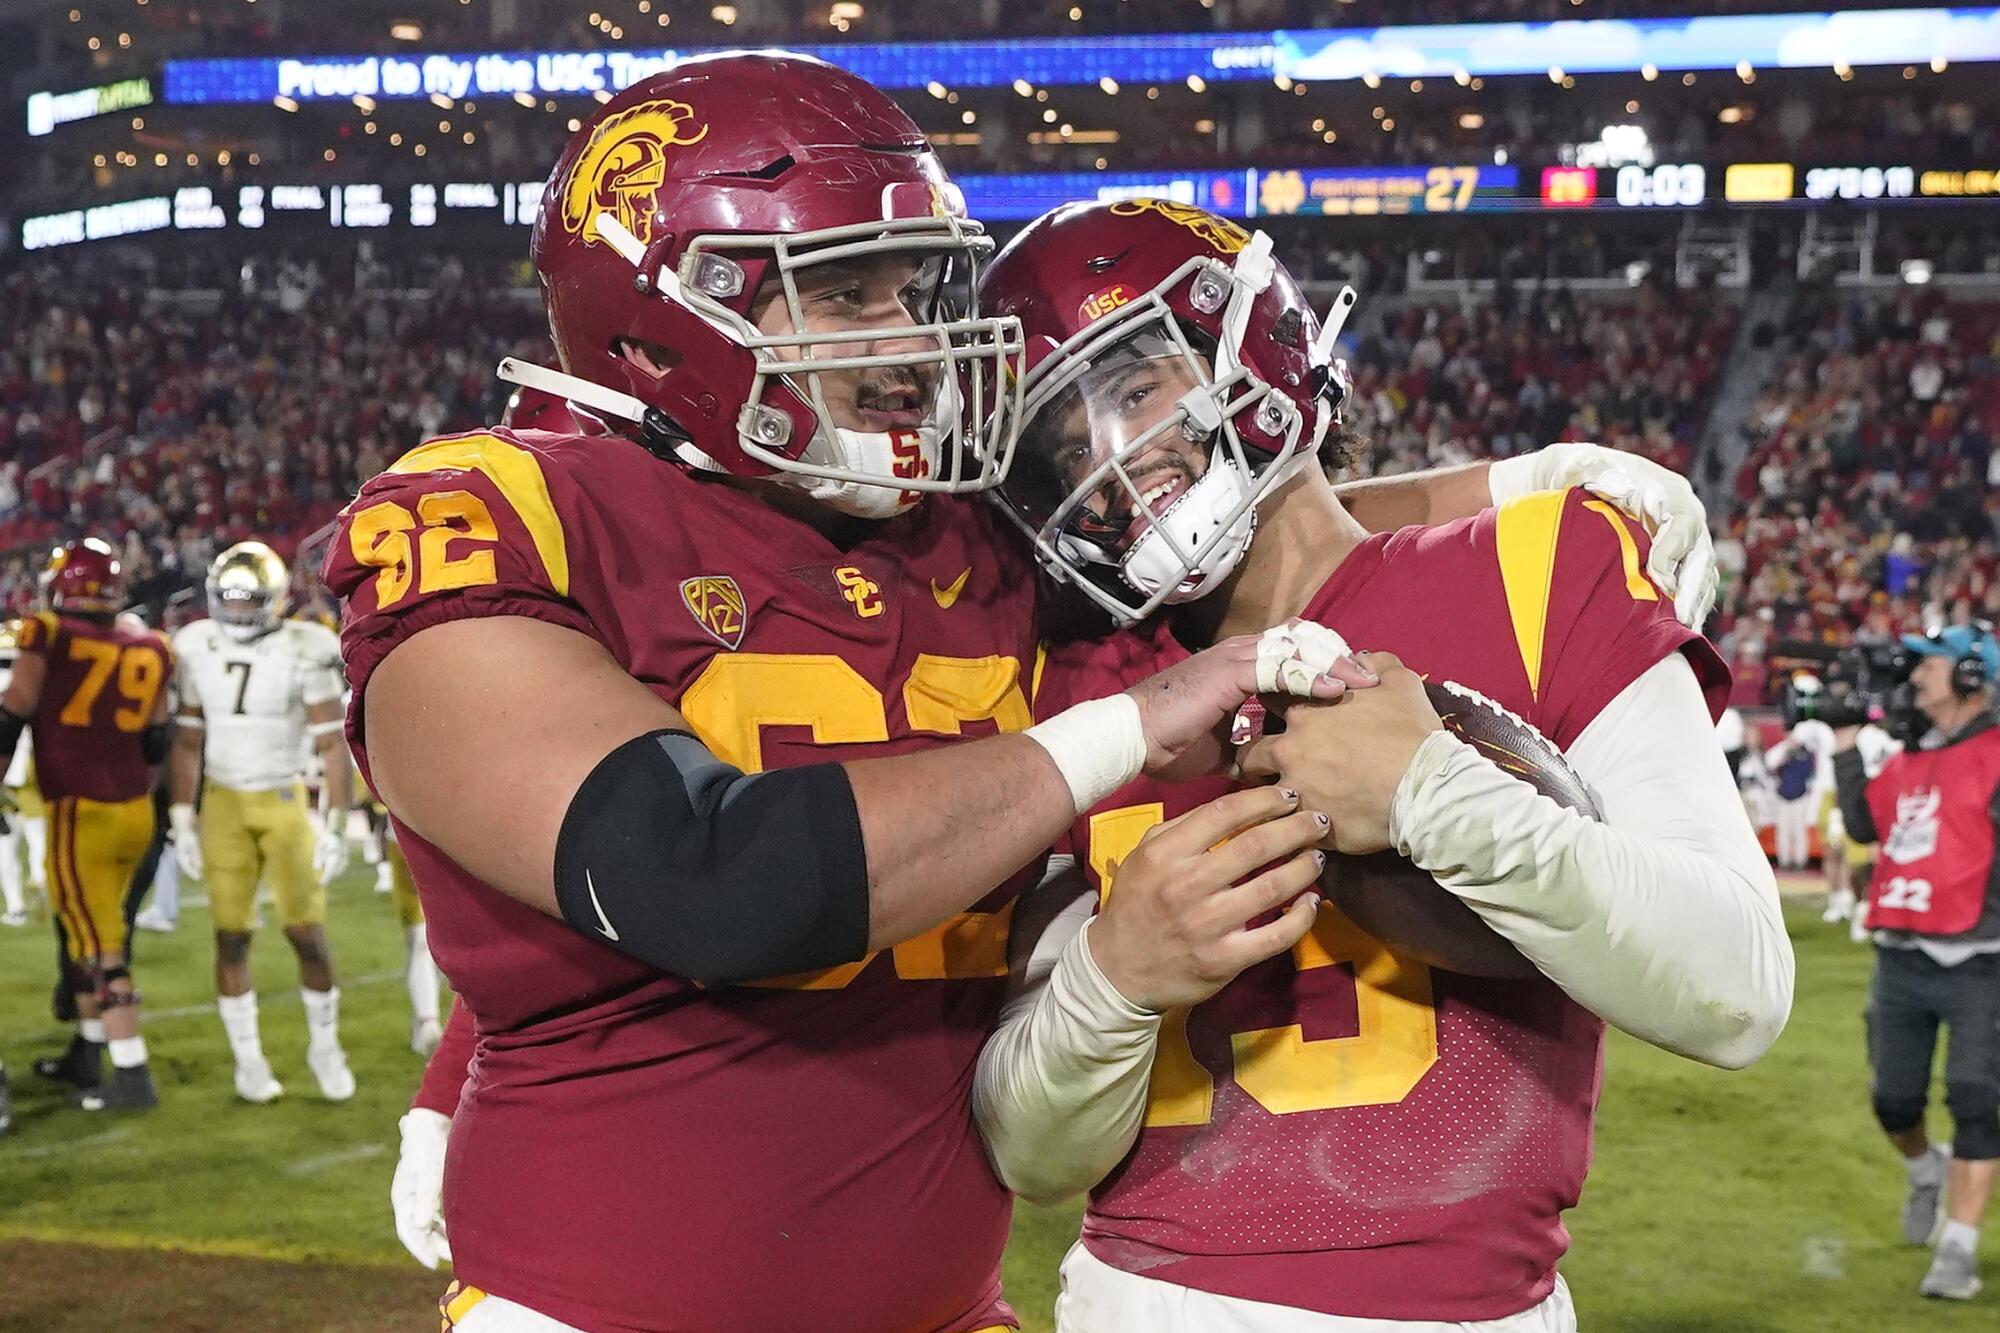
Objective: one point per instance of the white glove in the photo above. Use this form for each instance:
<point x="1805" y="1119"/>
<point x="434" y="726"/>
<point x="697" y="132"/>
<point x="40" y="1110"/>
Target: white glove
<point x="1682" y="563"/>
<point x="416" y="1194"/>
<point x="187" y="839"/>
<point x="330" y="850"/>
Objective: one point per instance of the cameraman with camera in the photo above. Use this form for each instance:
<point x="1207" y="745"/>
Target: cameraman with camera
<point x="1934" y="908"/>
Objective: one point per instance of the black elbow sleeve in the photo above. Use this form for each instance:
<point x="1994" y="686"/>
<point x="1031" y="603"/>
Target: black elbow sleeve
<point x="155" y="740"/>
<point x="675" y="858"/>
<point x="11" y="728"/>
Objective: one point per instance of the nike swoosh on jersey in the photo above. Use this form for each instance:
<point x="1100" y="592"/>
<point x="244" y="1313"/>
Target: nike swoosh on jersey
<point x="946" y="596"/>
<point x="604" y="925"/>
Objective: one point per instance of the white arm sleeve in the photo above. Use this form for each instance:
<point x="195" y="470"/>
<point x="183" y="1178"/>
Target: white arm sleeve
<point x="1663" y="920"/>
<point x="1061" y="1088"/>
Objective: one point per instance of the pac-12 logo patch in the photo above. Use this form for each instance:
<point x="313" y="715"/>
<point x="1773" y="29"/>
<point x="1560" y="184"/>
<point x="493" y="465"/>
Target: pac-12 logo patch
<point x="716" y="603"/>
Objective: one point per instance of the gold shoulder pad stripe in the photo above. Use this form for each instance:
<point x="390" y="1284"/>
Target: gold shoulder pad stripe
<point x="518" y="475"/>
<point x="1525" y="529"/>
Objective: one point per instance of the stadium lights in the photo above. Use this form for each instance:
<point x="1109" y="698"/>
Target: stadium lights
<point x="525" y="99"/>
<point x="1467" y="120"/>
<point x="440" y="100"/>
<point x="1917" y="272"/>
<point x="1283" y="83"/>
<point x="125" y="42"/>
<point x="364" y="104"/>
<point x="1196" y="83"/>
<point x="1744" y="72"/>
<point x="1076" y="14"/>
<point x="406" y="30"/>
<point x="1649" y="72"/>
<point x="1388" y="123"/>
<point x="1152" y="94"/>
<point x="1845" y="71"/>
<point x="1023" y="87"/>
<point x="846" y="10"/>
<point x="1049" y="116"/>
<point x="1632" y="106"/>
<point x="284" y="103"/>
<point x="1556" y="74"/>
<point x="724" y="14"/>
<point x="1204" y="126"/>
<point x="222" y="158"/>
<point x="1109" y="85"/>
<point x="936" y="89"/>
<point x="968" y="116"/>
<point x="1372" y="79"/>
<point x="1939" y="64"/>
<point x="1329" y="136"/>
<point x="1461" y="77"/>
<point x="1909" y="71"/>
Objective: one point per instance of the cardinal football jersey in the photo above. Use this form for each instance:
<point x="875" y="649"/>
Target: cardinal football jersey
<point x="103" y="683"/>
<point x="1342" y="1129"/>
<point x="253" y="698"/>
<point x="633" y="1152"/>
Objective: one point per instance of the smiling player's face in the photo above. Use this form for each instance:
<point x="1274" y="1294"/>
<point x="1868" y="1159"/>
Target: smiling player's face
<point x="1109" y="409"/>
<point x="890" y="293"/>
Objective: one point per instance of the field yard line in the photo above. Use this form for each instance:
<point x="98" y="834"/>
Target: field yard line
<point x="220" y="1249"/>
<point x="73" y="1145"/>
<point x="359" y="1152"/>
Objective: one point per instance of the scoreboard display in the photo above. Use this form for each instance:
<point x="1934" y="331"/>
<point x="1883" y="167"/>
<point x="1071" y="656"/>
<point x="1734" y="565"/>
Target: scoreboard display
<point x="1245" y="192"/>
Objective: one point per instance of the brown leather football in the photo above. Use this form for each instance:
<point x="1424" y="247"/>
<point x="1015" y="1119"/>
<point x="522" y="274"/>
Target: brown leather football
<point x="1392" y="900"/>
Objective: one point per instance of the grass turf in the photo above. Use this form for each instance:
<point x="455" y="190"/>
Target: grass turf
<point x="1751" y="1202"/>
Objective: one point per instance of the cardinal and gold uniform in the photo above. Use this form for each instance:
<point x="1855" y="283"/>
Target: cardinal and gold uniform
<point x="1341" y="1129"/>
<point x="253" y="699"/>
<point x="100" y="692"/>
<point x="819" y="1127"/>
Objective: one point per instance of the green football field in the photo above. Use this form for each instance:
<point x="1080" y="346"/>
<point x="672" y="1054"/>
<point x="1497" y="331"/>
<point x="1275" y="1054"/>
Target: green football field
<point x="1744" y="1202"/>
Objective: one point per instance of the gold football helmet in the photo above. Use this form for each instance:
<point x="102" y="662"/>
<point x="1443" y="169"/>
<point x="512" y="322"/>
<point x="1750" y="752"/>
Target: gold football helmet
<point x="247" y="587"/>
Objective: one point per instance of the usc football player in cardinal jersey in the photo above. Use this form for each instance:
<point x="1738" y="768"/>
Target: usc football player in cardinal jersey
<point x="1327" y="1136"/>
<point x="91" y="683"/>
<point x="693" y="732"/>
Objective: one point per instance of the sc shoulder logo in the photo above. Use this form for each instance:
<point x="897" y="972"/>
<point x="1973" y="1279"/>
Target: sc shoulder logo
<point x="623" y="164"/>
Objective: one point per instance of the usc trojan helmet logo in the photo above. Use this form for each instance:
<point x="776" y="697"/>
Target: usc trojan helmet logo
<point x="1221" y="233"/>
<point x="623" y="164"/>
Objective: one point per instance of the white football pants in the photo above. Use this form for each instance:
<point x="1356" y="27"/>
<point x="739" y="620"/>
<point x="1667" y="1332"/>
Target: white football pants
<point x="1097" y="1298"/>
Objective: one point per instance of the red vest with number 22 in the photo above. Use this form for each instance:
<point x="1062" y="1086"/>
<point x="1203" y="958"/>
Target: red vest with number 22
<point x="1934" y="811"/>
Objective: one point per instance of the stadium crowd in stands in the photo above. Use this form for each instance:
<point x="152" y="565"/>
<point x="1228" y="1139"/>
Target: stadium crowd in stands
<point x="254" y="400"/>
<point x="1869" y="502"/>
<point x="252" y="404"/>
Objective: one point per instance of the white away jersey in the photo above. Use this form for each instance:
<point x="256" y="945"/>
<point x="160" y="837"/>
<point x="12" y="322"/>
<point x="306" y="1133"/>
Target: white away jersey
<point x="253" y="697"/>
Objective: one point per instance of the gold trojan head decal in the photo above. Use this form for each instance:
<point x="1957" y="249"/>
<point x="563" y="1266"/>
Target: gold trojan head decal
<point x="623" y="164"/>
<point x="1221" y="233"/>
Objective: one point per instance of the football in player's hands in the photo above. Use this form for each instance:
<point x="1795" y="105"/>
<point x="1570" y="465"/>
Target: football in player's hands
<point x="1401" y="905"/>
<point x="1512" y="743"/>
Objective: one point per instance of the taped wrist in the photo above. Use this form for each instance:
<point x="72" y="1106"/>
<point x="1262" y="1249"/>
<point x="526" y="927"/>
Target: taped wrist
<point x="677" y="859"/>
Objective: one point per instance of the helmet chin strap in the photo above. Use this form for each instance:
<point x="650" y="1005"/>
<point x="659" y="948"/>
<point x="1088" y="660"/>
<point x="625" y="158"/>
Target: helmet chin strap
<point x="607" y="401"/>
<point x="1190" y="523"/>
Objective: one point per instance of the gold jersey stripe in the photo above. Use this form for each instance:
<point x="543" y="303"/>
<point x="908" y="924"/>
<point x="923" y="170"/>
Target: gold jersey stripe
<point x="1525" y="529"/>
<point x="518" y="475"/>
<point x="458" y="1306"/>
<point x="1636" y="582"/>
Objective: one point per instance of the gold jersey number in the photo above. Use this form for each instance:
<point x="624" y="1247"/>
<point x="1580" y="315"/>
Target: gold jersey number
<point x="737" y="695"/>
<point x="1284" y="1071"/>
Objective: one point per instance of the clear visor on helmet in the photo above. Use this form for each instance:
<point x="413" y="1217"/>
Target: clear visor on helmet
<point x="1130" y="476"/>
<point x="880" y="334"/>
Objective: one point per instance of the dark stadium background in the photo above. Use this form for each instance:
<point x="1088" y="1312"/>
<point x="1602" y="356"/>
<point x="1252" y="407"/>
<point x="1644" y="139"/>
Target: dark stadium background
<point x="283" y="295"/>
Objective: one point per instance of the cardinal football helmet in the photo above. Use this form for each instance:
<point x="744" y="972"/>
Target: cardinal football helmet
<point x="84" y="576"/>
<point x="723" y="178"/>
<point x="1176" y="376"/>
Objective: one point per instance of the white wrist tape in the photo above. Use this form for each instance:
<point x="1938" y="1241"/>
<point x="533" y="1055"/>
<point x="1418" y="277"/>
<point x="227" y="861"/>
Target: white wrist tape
<point x="180" y="818"/>
<point x="1098" y="746"/>
<point x="1290" y="657"/>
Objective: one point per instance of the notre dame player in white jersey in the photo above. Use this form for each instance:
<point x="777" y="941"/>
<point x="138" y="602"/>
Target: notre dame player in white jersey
<point x="256" y="687"/>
